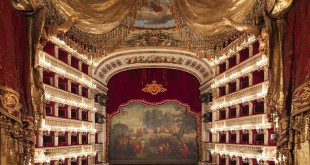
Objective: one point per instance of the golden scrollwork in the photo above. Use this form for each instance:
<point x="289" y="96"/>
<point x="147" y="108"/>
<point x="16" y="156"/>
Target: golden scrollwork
<point x="154" y="88"/>
<point x="9" y="103"/>
<point x="153" y="59"/>
<point x="300" y="101"/>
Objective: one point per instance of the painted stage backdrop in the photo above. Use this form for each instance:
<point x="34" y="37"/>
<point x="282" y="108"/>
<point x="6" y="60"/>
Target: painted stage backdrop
<point x="154" y="134"/>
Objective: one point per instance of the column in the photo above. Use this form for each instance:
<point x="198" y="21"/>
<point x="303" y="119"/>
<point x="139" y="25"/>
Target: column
<point x="90" y="116"/>
<point x="69" y="161"/>
<point x="79" y="160"/>
<point x="69" y="111"/>
<point x="90" y="70"/>
<point x="80" y="89"/>
<point x="237" y="84"/>
<point x="237" y="58"/>
<point x="218" y="158"/>
<point x="250" y="78"/>
<point x="227" y="64"/>
<point x="266" y="72"/>
<point x="265" y="106"/>
<point x="251" y="109"/>
<point x="238" y="160"/>
<point x="56" y="49"/>
<point x="227" y="112"/>
<point x="69" y="85"/>
<point x="99" y="156"/>
<point x="237" y="110"/>
<point x="56" y="105"/>
<point x="88" y="138"/>
<point x="80" y="113"/>
<point x="55" y="138"/>
<point x="250" y="161"/>
<point x="69" y="138"/>
<point x="80" y="65"/>
<point x="251" y="50"/>
<point x="56" y="80"/>
<point x="250" y="137"/>
<point x="238" y="136"/>
<point x="227" y="160"/>
<point x="69" y="58"/>
<point x="226" y="89"/>
<point x="56" y="162"/>
<point x="227" y="136"/>
<point x="40" y="139"/>
<point x="266" y="134"/>
<point x="80" y="137"/>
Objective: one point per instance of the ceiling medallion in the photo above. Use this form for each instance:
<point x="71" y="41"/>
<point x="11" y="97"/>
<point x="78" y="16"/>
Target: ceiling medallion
<point x="154" y="88"/>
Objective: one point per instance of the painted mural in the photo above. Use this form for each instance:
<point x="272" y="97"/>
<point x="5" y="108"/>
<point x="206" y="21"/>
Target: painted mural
<point x="160" y="134"/>
<point x="155" y="14"/>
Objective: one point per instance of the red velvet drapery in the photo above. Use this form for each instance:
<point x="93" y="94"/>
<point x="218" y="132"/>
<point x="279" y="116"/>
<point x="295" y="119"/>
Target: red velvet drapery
<point x="296" y="48"/>
<point x="14" y="57"/>
<point x="127" y="85"/>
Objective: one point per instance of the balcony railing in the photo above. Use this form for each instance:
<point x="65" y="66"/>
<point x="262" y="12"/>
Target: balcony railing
<point x="249" y="151"/>
<point x="58" y="124"/>
<point x="245" y="95"/>
<point x="64" y="97"/>
<point x="249" y="122"/>
<point x="59" y="67"/>
<point x="250" y="65"/>
<point x="56" y="153"/>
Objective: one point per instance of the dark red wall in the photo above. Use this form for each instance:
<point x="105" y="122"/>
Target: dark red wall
<point x="127" y="85"/>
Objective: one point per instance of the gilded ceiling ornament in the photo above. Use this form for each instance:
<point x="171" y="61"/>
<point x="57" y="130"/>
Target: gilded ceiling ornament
<point x="154" y="88"/>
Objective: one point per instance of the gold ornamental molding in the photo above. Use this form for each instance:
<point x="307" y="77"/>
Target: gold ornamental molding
<point x="9" y="103"/>
<point x="300" y="102"/>
<point x="154" y="88"/>
<point x="185" y="61"/>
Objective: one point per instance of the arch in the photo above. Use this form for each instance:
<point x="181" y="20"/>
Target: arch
<point x="117" y="62"/>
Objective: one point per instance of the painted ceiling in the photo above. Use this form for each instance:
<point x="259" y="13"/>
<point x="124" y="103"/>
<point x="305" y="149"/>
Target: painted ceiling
<point x="104" y="27"/>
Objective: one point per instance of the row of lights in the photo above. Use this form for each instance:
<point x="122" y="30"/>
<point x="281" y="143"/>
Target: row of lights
<point x="239" y="73"/>
<point x="244" y="99"/>
<point x="48" y="128"/>
<point x="68" y="102"/>
<point x="231" y="52"/>
<point x="45" y="159"/>
<point x="63" y="45"/>
<point x="245" y="157"/>
<point x="258" y="127"/>
<point x="58" y="70"/>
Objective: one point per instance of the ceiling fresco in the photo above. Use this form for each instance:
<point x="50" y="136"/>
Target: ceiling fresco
<point x="143" y="38"/>
<point x="192" y="25"/>
<point x="154" y="14"/>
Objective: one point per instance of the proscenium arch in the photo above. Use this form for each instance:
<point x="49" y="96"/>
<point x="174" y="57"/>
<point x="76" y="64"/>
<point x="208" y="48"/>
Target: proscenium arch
<point x="108" y="66"/>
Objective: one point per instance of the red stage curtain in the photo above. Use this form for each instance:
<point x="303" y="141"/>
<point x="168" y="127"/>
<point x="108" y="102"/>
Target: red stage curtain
<point x="14" y="58"/>
<point x="127" y="85"/>
<point x="296" y="48"/>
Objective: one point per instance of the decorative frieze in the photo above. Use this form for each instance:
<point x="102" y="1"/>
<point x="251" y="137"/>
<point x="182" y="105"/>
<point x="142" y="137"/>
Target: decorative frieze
<point x="254" y="63"/>
<point x="51" y="63"/>
<point x="61" y="124"/>
<point x="245" y="95"/>
<point x="249" y="151"/>
<point x="64" y="97"/>
<point x="249" y="122"/>
<point x="56" y="153"/>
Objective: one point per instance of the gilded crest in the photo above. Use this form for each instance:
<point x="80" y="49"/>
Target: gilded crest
<point x="154" y="88"/>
